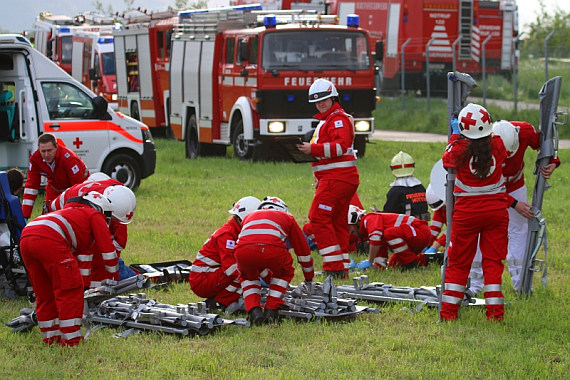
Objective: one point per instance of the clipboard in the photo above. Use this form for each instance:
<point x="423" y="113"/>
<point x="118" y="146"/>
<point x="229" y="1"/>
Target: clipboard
<point x="290" y="146"/>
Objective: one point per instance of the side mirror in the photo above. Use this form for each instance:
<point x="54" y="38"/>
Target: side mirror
<point x="379" y="51"/>
<point x="100" y="107"/>
<point x="93" y="74"/>
<point x="243" y="51"/>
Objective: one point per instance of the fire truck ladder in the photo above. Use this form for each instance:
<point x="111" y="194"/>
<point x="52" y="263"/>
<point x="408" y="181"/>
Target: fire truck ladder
<point x="465" y="17"/>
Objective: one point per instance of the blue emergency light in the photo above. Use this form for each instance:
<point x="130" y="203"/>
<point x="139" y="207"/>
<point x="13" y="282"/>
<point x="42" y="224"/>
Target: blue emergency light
<point x="352" y="20"/>
<point x="63" y="29"/>
<point x="105" y="40"/>
<point x="270" y="21"/>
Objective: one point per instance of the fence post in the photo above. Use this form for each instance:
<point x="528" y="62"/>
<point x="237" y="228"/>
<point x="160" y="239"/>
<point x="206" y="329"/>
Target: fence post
<point x="515" y="69"/>
<point x="453" y="46"/>
<point x="546" y="54"/>
<point x="484" y="71"/>
<point x="403" y="86"/>
<point x="427" y="71"/>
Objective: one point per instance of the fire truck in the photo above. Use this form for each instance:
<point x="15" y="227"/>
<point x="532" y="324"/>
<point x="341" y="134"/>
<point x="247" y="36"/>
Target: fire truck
<point x="93" y="64"/>
<point x="52" y="34"/>
<point x="240" y="78"/>
<point x="142" y="58"/>
<point x="457" y="30"/>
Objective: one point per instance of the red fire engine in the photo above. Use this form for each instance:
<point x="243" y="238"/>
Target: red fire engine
<point x="93" y="64"/>
<point x="52" y="34"/>
<point x="237" y="81"/>
<point x="417" y="22"/>
<point x="142" y="56"/>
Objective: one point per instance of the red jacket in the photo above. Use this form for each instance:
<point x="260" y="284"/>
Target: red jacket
<point x="514" y="166"/>
<point x="69" y="170"/>
<point x="78" y="226"/>
<point x="274" y="227"/>
<point x="469" y="190"/>
<point x="372" y="225"/>
<point x="118" y="229"/>
<point x="218" y="251"/>
<point x="332" y="146"/>
<point x="438" y="220"/>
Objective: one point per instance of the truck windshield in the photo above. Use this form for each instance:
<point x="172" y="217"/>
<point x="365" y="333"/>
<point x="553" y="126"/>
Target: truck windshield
<point x="108" y="62"/>
<point x="66" y="48"/>
<point x="315" y="50"/>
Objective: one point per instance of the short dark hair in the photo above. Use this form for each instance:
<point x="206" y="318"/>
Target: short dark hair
<point x="15" y="179"/>
<point x="47" y="138"/>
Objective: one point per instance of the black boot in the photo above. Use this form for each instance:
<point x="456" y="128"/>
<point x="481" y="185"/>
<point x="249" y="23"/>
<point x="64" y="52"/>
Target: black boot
<point x="271" y="315"/>
<point x="256" y="316"/>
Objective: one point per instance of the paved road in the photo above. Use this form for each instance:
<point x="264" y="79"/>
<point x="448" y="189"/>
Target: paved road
<point x="428" y="137"/>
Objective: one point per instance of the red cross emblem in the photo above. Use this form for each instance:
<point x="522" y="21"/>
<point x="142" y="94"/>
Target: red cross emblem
<point x="485" y="116"/>
<point x="468" y="120"/>
<point x="129" y="215"/>
<point x="77" y="143"/>
<point x="96" y="195"/>
<point x="274" y="200"/>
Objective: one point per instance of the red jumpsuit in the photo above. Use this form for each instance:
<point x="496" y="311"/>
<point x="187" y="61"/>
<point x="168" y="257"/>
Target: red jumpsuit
<point x="480" y="212"/>
<point x="438" y="220"/>
<point x="262" y="244"/>
<point x="405" y="235"/>
<point x="337" y="180"/>
<point x="91" y="266"/>
<point x="48" y="246"/>
<point x="68" y="170"/>
<point x="214" y="271"/>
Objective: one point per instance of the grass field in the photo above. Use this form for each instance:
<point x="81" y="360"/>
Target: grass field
<point x="185" y="201"/>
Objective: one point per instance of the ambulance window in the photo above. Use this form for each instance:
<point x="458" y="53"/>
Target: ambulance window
<point x="230" y="48"/>
<point x="253" y="43"/>
<point x="6" y="63"/>
<point x="67" y="102"/>
<point x="66" y="46"/>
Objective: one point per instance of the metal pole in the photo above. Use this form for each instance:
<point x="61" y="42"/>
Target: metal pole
<point x="484" y="71"/>
<point x="546" y="55"/>
<point x="515" y="68"/>
<point x="403" y="86"/>
<point x="453" y="49"/>
<point x="427" y="71"/>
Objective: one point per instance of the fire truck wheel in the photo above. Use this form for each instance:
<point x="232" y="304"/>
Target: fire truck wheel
<point x="191" y="141"/>
<point x="243" y="149"/>
<point x="135" y="111"/>
<point x="123" y="168"/>
<point x="360" y="145"/>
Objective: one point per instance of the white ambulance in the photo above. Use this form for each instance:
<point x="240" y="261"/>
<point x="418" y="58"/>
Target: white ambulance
<point x="37" y="96"/>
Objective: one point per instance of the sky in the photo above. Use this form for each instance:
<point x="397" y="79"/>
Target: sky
<point x="19" y="15"/>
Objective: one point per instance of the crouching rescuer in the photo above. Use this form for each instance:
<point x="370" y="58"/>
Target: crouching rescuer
<point x="262" y="244"/>
<point x="49" y="245"/>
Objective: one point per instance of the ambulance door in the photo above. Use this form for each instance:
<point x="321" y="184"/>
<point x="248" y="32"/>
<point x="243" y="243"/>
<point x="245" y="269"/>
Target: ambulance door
<point x="71" y="116"/>
<point x="18" y="120"/>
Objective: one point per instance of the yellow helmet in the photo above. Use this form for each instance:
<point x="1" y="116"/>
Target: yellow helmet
<point x="402" y="165"/>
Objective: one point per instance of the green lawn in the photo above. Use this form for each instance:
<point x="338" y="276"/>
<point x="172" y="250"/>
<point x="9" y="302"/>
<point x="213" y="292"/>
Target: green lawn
<point x="184" y="201"/>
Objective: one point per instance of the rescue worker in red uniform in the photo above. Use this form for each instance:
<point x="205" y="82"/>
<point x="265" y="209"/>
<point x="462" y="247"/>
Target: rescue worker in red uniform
<point x="517" y="136"/>
<point x="336" y="175"/>
<point x="48" y="246"/>
<point x="60" y="165"/>
<point x="407" y="195"/>
<point x="262" y="244"/>
<point x="214" y="272"/>
<point x="124" y="201"/>
<point x="405" y="235"/>
<point x="480" y="212"/>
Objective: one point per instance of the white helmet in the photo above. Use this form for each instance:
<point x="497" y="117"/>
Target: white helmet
<point x="354" y="214"/>
<point x="475" y="121"/>
<point x="244" y="206"/>
<point x="98" y="176"/>
<point x="321" y="89"/>
<point x="123" y="202"/>
<point x="509" y="134"/>
<point x="432" y="199"/>
<point x="273" y="203"/>
<point x="402" y="165"/>
<point x="99" y="202"/>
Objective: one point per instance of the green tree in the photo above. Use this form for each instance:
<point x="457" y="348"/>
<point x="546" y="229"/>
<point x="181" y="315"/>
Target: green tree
<point x="548" y="20"/>
<point x="183" y="4"/>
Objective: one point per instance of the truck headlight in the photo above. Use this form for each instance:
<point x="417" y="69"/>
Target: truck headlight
<point x="147" y="136"/>
<point x="362" y="126"/>
<point x="276" y="127"/>
<point x="114" y="97"/>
